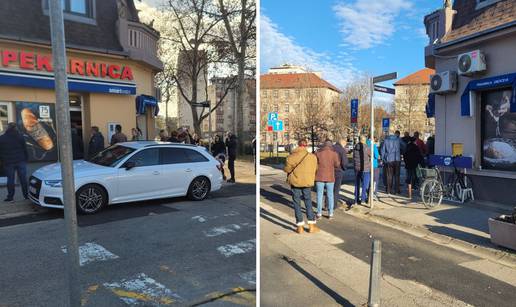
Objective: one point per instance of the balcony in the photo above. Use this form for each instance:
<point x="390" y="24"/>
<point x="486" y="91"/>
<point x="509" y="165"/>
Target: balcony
<point x="140" y="42"/>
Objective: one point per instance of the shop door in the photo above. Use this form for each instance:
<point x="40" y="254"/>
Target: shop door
<point x="77" y="135"/>
<point x="5" y="118"/>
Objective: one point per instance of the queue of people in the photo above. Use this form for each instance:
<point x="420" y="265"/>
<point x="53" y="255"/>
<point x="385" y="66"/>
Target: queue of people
<point x="325" y="168"/>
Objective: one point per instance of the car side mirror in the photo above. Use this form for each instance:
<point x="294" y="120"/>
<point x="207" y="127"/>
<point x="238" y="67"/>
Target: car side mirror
<point x="128" y="165"/>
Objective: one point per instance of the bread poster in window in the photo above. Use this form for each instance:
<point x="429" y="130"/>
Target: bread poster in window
<point x="498" y="131"/>
<point x="37" y="123"/>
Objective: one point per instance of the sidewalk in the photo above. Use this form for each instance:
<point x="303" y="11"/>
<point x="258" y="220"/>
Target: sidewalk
<point x="460" y="226"/>
<point x="20" y="206"/>
<point x="244" y="172"/>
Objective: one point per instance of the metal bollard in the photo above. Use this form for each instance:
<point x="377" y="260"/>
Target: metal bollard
<point x="376" y="272"/>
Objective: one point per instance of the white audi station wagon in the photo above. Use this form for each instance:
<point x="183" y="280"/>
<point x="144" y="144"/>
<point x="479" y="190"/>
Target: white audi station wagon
<point x="128" y="172"/>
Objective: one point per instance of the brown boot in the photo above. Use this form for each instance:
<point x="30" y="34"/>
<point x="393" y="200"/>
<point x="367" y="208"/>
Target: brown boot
<point x="312" y="228"/>
<point x="300" y="229"/>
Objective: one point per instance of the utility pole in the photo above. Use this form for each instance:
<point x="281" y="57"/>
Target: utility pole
<point x="209" y="126"/>
<point x="65" y="149"/>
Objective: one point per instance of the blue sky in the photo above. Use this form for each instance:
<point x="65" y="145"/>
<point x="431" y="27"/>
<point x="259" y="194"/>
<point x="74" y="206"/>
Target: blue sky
<point x="343" y="38"/>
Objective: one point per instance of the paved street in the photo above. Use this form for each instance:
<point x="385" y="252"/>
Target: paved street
<point x="161" y="252"/>
<point x="331" y="268"/>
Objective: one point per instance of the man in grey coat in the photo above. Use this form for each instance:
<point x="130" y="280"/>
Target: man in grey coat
<point x="340" y="149"/>
<point x="391" y="157"/>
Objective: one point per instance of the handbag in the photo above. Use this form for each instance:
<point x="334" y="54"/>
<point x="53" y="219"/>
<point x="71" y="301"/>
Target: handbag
<point x="296" y="166"/>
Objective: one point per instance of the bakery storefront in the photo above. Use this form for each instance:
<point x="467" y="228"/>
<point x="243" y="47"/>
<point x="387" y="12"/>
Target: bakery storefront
<point x="105" y="90"/>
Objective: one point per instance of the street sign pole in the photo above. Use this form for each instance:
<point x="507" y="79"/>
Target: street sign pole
<point x="65" y="149"/>
<point x="374" y="80"/>
<point x="371" y="174"/>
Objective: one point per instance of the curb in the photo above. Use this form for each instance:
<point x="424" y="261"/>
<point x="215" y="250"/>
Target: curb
<point x="498" y="256"/>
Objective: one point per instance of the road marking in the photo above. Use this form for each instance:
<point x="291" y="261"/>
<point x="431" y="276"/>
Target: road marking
<point x="492" y="269"/>
<point x="232" y="213"/>
<point x="199" y="218"/>
<point x="143" y="291"/>
<point x="91" y="290"/>
<point x="217" y="231"/>
<point x="91" y="252"/>
<point x="250" y="277"/>
<point x="238" y="248"/>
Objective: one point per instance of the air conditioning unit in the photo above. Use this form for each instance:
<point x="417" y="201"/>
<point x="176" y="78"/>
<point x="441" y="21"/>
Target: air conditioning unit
<point x="444" y="82"/>
<point x="471" y="63"/>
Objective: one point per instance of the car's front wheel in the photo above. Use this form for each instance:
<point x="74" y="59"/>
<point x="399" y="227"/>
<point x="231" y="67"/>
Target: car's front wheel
<point x="199" y="188"/>
<point x="90" y="199"/>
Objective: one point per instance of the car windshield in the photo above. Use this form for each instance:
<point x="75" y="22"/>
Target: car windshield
<point x="111" y="155"/>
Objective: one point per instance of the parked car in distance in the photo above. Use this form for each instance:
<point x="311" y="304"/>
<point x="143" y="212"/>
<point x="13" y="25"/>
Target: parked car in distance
<point x="131" y="171"/>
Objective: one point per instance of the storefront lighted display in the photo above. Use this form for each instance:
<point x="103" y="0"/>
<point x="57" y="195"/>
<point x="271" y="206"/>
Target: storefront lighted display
<point x="37" y="123"/>
<point x="498" y="131"/>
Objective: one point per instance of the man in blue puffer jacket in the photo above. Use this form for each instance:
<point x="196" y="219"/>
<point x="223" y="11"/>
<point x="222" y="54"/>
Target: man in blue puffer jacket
<point x="391" y="157"/>
<point x="14" y="156"/>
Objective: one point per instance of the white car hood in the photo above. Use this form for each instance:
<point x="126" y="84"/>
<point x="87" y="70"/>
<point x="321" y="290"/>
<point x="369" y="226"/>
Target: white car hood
<point x="81" y="168"/>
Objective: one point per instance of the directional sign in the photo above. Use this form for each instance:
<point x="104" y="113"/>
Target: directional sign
<point x="278" y="125"/>
<point x="272" y="116"/>
<point x="204" y="104"/>
<point x="387" y="77"/>
<point x="354" y="110"/>
<point x="384" y="89"/>
<point x="386" y="122"/>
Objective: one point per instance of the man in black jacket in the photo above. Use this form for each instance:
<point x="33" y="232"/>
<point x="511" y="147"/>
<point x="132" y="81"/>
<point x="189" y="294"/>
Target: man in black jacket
<point x="96" y="144"/>
<point x="231" y="144"/>
<point x="13" y="153"/>
<point x="340" y="148"/>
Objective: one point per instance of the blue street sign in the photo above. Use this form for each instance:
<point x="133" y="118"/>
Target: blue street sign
<point x="272" y="116"/>
<point x="384" y="89"/>
<point x="278" y="125"/>
<point x="354" y="110"/>
<point x="386" y="122"/>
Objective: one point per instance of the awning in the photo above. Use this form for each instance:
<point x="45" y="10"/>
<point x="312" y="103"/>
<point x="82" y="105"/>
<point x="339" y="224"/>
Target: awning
<point x="144" y="101"/>
<point x="74" y="84"/>
<point x="484" y="84"/>
<point x="430" y="106"/>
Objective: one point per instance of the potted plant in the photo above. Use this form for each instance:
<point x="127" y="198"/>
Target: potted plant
<point x="503" y="230"/>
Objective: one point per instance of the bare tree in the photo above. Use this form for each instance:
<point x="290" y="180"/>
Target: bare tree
<point x="239" y="18"/>
<point x="409" y="108"/>
<point x="192" y="32"/>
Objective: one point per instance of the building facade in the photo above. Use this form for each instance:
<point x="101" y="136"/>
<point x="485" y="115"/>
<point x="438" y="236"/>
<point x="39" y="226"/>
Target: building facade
<point x="301" y="99"/>
<point x="480" y="114"/>
<point x="112" y="61"/>
<point x="410" y="104"/>
<point x="223" y="119"/>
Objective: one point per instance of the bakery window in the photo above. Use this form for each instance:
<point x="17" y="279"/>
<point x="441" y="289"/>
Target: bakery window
<point x="75" y="10"/>
<point x="498" y="131"/>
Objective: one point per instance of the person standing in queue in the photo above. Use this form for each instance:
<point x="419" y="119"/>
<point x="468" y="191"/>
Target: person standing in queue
<point x="96" y="143"/>
<point x="118" y="137"/>
<point x="231" y="144"/>
<point x="218" y="150"/>
<point x="327" y="161"/>
<point x="300" y="168"/>
<point x="13" y="153"/>
<point x="340" y="149"/>
<point x="362" y="165"/>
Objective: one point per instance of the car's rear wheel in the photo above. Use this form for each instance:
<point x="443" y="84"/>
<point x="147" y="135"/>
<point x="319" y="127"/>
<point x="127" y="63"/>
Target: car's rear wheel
<point x="199" y="188"/>
<point x="90" y="199"/>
